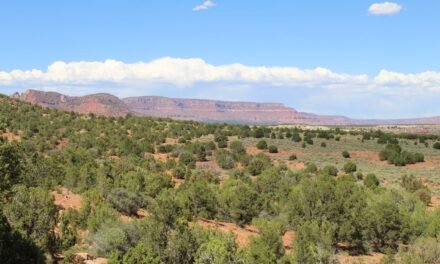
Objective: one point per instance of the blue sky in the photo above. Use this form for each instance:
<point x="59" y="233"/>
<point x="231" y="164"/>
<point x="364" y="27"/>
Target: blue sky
<point x="330" y="57"/>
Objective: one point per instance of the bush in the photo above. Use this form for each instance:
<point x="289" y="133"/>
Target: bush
<point x="293" y="157"/>
<point x="262" y="144"/>
<point x="222" y="144"/>
<point x="323" y="144"/>
<point x="330" y="170"/>
<point x="394" y="155"/>
<point x="165" y="148"/>
<point x="273" y="149"/>
<point x="125" y="202"/>
<point x="179" y="172"/>
<point x="350" y="167"/>
<point x="311" y="168"/>
<point x="371" y="181"/>
<point x="225" y="159"/>
<point x="345" y="154"/>
<point x="258" y="163"/>
<point x="436" y="145"/>
<point x="237" y="147"/>
<point x="187" y="159"/>
<point x="424" y="194"/>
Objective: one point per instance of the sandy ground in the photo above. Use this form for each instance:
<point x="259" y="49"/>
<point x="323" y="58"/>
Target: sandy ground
<point x="373" y="258"/>
<point x="65" y="199"/>
<point x="10" y="136"/>
<point x="242" y="235"/>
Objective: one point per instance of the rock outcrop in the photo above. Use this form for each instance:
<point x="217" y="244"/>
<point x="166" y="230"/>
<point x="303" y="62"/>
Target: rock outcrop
<point x="196" y="109"/>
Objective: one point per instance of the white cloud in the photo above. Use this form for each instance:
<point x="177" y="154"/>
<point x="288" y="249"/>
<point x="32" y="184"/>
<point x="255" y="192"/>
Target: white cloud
<point x="385" y="8"/>
<point x="319" y="89"/>
<point x="205" y="5"/>
<point x="177" y="72"/>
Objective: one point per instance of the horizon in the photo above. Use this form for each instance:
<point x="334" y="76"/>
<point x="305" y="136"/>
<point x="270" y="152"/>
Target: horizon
<point x="231" y="101"/>
<point x="363" y="59"/>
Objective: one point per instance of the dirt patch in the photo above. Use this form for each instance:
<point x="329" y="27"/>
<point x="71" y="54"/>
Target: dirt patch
<point x="373" y="258"/>
<point x="163" y="157"/>
<point x="296" y="165"/>
<point x="10" y="136"/>
<point x="62" y="143"/>
<point x="288" y="239"/>
<point x="65" y="199"/>
<point x="369" y="155"/>
<point x="253" y="150"/>
<point x="435" y="202"/>
<point x="177" y="183"/>
<point x="171" y="141"/>
<point x="242" y="235"/>
<point x="421" y="165"/>
<point x="209" y="165"/>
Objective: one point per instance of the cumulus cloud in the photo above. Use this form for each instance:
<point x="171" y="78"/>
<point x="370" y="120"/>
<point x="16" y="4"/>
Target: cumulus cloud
<point x="180" y="72"/>
<point x="205" y="5"/>
<point x="319" y="89"/>
<point x="188" y="72"/>
<point x="385" y="8"/>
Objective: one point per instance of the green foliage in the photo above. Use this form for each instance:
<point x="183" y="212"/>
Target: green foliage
<point x="313" y="243"/>
<point x="237" y="148"/>
<point x="273" y="149"/>
<point x="267" y="247"/>
<point x="262" y="144"/>
<point x="10" y="165"/>
<point x="330" y="170"/>
<point x="187" y="159"/>
<point x="225" y="159"/>
<point x="125" y="202"/>
<point x="345" y="154"/>
<point x="197" y="198"/>
<point x="394" y="155"/>
<point x="350" y="167"/>
<point x="371" y="181"/>
<point x="217" y="248"/>
<point x="238" y="202"/>
<point x="31" y="212"/>
<point x="258" y="163"/>
<point x="436" y="145"/>
<point x="14" y="248"/>
<point x="141" y="254"/>
<point x="293" y="157"/>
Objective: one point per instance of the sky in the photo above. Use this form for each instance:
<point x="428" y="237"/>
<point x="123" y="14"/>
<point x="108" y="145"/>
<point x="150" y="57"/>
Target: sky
<point x="362" y="59"/>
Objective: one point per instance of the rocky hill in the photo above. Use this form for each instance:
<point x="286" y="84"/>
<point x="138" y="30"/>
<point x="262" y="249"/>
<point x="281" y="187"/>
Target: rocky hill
<point x="101" y="104"/>
<point x="196" y="109"/>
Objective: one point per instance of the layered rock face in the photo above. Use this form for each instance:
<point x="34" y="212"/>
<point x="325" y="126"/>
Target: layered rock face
<point x="211" y="111"/>
<point x="100" y="104"/>
<point x="182" y="109"/>
<point x="196" y="109"/>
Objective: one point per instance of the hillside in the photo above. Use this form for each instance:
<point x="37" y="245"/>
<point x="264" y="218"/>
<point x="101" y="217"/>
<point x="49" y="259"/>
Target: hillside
<point x="181" y="109"/>
<point x="89" y="189"/>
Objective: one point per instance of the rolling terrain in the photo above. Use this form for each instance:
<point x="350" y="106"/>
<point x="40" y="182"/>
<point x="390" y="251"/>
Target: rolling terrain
<point x="199" y="110"/>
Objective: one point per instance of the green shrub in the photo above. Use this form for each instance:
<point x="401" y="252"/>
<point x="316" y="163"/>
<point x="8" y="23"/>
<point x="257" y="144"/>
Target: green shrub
<point x="350" y="167"/>
<point x="436" y="145"/>
<point x="330" y="170"/>
<point x="371" y="181"/>
<point x="273" y="149"/>
<point x="187" y="159"/>
<point x="345" y="154"/>
<point x="262" y="144"/>
<point x="225" y="159"/>
<point x="237" y="147"/>
<point x="293" y="157"/>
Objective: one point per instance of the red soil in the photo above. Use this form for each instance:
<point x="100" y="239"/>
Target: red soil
<point x="65" y="199"/>
<point x="242" y="235"/>
<point x="373" y="258"/>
